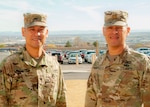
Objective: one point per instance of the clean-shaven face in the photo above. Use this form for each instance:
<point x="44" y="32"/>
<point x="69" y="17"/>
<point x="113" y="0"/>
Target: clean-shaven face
<point x="115" y="35"/>
<point x="35" y="36"/>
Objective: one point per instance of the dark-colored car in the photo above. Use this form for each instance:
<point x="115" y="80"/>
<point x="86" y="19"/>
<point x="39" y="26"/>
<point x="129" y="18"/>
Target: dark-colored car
<point x="59" y="55"/>
<point x="82" y="52"/>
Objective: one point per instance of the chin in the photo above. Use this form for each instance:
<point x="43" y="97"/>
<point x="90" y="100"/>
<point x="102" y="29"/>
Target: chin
<point x="37" y="46"/>
<point x="114" y="45"/>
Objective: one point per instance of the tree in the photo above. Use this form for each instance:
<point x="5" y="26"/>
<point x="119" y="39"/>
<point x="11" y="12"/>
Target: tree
<point x="79" y="42"/>
<point x="97" y="47"/>
<point x="2" y="45"/>
<point x="95" y="44"/>
<point x="68" y="44"/>
<point x="88" y="43"/>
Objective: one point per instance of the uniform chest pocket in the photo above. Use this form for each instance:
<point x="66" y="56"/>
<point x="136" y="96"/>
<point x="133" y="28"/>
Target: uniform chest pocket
<point x="121" y="79"/>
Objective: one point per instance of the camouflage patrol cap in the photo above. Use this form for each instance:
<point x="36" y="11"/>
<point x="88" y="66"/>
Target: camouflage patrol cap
<point x="35" y="19"/>
<point x="116" y="18"/>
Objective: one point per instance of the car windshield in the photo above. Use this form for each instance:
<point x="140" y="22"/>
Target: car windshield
<point x="53" y="54"/>
<point x="90" y="52"/>
<point x="74" y="55"/>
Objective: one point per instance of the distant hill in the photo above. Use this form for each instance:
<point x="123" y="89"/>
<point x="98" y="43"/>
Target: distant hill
<point x="52" y="32"/>
<point x="61" y="37"/>
<point x="73" y="32"/>
<point x="10" y="33"/>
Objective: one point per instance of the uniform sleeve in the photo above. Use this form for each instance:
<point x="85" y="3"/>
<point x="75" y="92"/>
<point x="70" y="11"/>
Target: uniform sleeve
<point x="61" y="98"/>
<point x="2" y="91"/>
<point x="146" y="85"/>
<point x="90" y="98"/>
<point x="5" y="84"/>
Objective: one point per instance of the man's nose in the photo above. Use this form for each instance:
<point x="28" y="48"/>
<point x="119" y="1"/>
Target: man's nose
<point x="38" y="33"/>
<point x="115" y="31"/>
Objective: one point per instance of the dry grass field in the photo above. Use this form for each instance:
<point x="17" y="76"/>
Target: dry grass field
<point x="76" y="92"/>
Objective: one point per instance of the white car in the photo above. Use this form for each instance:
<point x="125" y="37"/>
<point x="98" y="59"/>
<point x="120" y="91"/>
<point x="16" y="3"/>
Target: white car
<point x="91" y="57"/>
<point x="88" y="52"/>
<point x="72" y="59"/>
<point x="144" y="50"/>
<point x="70" y="52"/>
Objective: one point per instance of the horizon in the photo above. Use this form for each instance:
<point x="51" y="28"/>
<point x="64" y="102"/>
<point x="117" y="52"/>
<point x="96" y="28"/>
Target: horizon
<point x="132" y="30"/>
<point x="73" y="33"/>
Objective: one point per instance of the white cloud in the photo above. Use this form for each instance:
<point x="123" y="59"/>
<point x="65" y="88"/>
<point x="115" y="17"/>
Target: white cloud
<point x="91" y="11"/>
<point x="139" y="22"/>
<point x="49" y="2"/>
<point x="142" y="5"/>
<point x="19" y="5"/>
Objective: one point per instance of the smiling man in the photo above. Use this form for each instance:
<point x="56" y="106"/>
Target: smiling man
<point x="30" y="77"/>
<point x="121" y="77"/>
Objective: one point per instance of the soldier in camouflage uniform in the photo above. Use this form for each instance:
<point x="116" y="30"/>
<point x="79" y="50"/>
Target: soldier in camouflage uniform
<point x="30" y="77"/>
<point x="121" y="77"/>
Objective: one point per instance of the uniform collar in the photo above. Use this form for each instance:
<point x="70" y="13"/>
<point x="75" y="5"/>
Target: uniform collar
<point x="126" y="49"/>
<point x="121" y="57"/>
<point x="31" y="61"/>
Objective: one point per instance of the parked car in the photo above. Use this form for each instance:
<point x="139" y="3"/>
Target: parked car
<point x="144" y="50"/>
<point x="101" y="52"/>
<point x="82" y="51"/>
<point x="59" y="55"/>
<point x="88" y="52"/>
<point x="68" y="53"/>
<point x="72" y="58"/>
<point x="90" y="57"/>
<point x="65" y="53"/>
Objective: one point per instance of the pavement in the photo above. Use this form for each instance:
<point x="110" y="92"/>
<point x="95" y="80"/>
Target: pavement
<point x="76" y="75"/>
<point x="71" y="70"/>
<point x="84" y="67"/>
<point x="76" y="72"/>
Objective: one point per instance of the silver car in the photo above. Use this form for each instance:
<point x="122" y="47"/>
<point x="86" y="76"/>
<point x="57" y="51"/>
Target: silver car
<point x="73" y="57"/>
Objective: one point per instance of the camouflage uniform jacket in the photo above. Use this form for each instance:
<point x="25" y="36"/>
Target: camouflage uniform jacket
<point x="125" y="82"/>
<point x="26" y="83"/>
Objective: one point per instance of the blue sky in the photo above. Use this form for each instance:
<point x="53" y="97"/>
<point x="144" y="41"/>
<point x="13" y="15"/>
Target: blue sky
<point x="64" y="15"/>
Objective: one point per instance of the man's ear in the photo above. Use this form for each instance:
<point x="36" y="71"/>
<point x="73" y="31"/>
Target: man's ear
<point x="128" y="30"/>
<point x="23" y="31"/>
<point x="46" y="32"/>
<point x="103" y="28"/>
